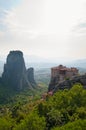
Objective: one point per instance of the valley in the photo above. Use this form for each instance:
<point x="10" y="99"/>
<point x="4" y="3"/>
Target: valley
<point x="31" y="106"/>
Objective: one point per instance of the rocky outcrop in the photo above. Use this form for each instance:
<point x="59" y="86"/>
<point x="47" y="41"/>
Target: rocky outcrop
<point x="15" y="73"/>
<point x="54" y="81"/>
<point x="30" y="76"/>
<point x="60" y="74"/>
<point x="68" y="83"/>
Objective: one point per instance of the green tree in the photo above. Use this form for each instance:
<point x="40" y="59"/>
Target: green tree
<point x="76" y="125"/>
<point x="32" y="122"/>
<point x="5" y="124"/>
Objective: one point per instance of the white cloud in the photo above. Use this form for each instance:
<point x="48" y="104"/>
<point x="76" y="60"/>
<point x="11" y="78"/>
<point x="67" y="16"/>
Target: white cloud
<point x="1" y="34"/>
<point x="44" y="16"/>
<point x="43" y="27"/>
<point x="27" y="18"/>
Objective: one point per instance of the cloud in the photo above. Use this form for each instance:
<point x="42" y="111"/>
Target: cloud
<point x="2" y="17"/>
<point x="80" y="28"/>
<point x="35" y="17"/>
<point x="24" y="21"/>
<point x="1" y="34"/>
<point x="41" y="27"/>
<point x="8" y="4"/>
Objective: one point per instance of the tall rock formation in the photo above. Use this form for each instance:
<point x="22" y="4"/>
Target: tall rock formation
<point x="15" y="73"/>
<point x="30" y="76"/>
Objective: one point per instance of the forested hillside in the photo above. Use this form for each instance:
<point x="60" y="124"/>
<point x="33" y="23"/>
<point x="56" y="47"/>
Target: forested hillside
<point x="65" y="110"/>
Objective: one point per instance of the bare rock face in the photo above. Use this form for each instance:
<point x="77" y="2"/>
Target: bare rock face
<point x="30" y="76"/>
<point x="67" y="84"/>
<point x="53" y="83"/>
<point x="15" y="74"/>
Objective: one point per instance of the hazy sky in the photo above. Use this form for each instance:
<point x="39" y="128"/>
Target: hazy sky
<point x="47" y="28"/>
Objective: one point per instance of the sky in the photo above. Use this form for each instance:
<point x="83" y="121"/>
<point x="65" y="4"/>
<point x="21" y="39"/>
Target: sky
<point x="45" y="28"/>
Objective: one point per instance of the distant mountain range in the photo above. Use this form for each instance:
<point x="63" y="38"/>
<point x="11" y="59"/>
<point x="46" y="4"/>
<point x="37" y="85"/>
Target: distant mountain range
<point x="40" y="62"/>
<point x="81" y="63"/>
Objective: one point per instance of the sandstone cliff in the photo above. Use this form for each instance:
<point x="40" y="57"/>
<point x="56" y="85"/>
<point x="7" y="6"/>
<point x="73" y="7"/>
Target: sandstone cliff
<point x="15" y="73"/>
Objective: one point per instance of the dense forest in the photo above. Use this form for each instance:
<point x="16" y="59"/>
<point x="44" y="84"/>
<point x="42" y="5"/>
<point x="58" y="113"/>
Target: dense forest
<point x="65" y="110"/>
